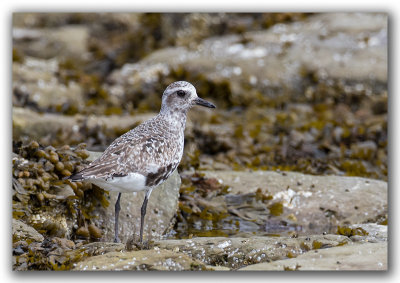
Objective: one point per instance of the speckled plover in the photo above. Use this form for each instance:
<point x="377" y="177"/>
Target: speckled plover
<point x="147" y="155"/>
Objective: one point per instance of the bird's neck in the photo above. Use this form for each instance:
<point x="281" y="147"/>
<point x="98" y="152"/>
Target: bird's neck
<point x="177" y="118"/>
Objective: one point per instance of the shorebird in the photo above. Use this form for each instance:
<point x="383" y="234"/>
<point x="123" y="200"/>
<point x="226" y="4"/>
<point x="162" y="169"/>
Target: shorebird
<point x="147" y="155"/>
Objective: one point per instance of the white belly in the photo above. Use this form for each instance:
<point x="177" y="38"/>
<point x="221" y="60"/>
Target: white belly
<point x="133" y="182"/>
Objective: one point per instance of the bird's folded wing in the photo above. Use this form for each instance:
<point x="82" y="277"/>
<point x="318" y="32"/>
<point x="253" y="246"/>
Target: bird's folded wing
<point x="142" y="154"/>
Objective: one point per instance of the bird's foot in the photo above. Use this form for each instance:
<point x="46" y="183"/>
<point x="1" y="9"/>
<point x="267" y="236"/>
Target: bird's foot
<point x="134" y="244"/>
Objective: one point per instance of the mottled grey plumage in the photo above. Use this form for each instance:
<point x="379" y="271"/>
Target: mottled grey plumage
<point x="147" y="155"/>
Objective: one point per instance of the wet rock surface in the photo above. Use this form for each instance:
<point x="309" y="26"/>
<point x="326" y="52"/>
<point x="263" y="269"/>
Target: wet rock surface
<point x="228" y="203"/>
<point x="237" y="252"/>
<point x="373" y="233"/>
<point x="159" y="259"/>
<point x="315" y="252"/>
<point x="369" y="256"/>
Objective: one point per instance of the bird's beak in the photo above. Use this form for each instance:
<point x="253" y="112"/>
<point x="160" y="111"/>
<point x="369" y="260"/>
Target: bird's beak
<point x="202" y="102"/>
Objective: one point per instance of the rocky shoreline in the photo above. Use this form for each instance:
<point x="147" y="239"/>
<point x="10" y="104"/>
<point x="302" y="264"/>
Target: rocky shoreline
<point x="317" y="217"/>
<point x="314" y="252"/>
<point x="288" y="173"/>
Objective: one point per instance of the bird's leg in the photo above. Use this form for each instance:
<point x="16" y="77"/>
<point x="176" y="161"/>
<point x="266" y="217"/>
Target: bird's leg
<point x="143" y="213"/>
<point x="117" y="209"/>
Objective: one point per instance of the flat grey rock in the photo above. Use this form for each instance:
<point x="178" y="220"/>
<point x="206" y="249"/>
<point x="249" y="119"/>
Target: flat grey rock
<point x="313" y="202"/>
<point x="368" y="256"/>
<point x="159" y="259"/>
<point x="22" y="231"/>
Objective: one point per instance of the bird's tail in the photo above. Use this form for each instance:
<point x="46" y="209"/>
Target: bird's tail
<point x="75" y="177"/>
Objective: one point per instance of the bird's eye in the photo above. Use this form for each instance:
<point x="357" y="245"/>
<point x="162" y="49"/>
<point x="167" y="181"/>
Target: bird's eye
<point x="181" y="93"/>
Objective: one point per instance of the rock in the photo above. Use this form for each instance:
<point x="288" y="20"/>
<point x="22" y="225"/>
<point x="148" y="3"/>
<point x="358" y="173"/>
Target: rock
<point x="376" y="233"/>
<point x="36" y="85"/>
<point x="314" y="252"/>
<point x="315" y="203"/>
<point x="161" y="209"/>
<point x="35" y="70"/>
<point x="22" y="231"/>
<point x="277" y="59"/>
<point x="67" y="129"/>
<point x="365" y="150"/>
<point x="217" y="268"/>
<point x="55" y="224"/>
<point x="49" y="95"/>
<point x="69" y="40"/>
<point x="157" y="259"/>
<point x="18" y="250"/>
<point x="368" y="256"/>
<point x="237" y="252"/>
<point x="297" y="138"/>
<point x="64" y="191"/>
<point x="100" y="248"/>
<point x="93" y="155"/>
<point x="63" y="243"/>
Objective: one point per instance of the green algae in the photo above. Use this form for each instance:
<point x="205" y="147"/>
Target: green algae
<point x="316" y="245"/>
<point x="287" y="268"/>
<point x="17" y="56"/>
<point x="349" y="232"/>
<point x="291" y="254"/>
<point x="276" y="208"/>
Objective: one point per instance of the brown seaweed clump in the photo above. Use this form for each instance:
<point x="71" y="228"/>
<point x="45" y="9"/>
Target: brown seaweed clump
<point x="56" y="208"/>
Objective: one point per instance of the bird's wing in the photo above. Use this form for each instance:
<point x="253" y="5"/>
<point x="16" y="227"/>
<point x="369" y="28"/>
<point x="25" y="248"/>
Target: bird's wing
<point x="136" y="151"/>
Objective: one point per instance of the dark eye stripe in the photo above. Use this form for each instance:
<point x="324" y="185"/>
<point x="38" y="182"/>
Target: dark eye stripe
<point x="181" y="93"/>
